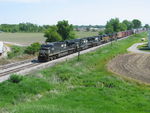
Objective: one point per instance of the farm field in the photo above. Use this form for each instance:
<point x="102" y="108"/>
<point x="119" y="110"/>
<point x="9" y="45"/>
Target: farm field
<point x="84" y="86"/>
<point x="22" y="38"/>
<point x="135" y="66"/>
<point x="28" y="38"/>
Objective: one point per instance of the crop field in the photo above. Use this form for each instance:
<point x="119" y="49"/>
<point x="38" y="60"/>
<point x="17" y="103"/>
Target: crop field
<point x="22" y="38"/>
<point x="28" y="38"/>
<point x="84" y="86"/>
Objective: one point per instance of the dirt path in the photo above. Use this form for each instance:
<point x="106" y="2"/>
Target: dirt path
<point x="134" y="49"/>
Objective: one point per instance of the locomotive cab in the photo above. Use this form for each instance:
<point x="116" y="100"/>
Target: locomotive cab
<point x="51" y="51"/>
<point x="44" y="52"/>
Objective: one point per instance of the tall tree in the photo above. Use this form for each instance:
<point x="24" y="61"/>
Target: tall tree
<point x="52" y="35"/>
<point x="112" y="25"/>
<point x="65" y="30"/>
<point x="136" y="23"/>
<point x="147" y="26"/>
<point x="123" y="27"/>
<point x="129" y="24"/>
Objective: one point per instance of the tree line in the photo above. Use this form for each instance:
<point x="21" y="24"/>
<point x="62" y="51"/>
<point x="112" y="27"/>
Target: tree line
<point x="64" y="31"/>
<point x="114" y="25"/>
<point x="23" y="27"/>
<point x="29" y="27"/>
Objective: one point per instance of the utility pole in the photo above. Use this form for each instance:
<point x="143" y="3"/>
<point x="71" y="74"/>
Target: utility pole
<point x="78" y="47"/>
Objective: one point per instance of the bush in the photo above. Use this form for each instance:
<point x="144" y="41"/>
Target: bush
<point x="101" y="32"/>
<point x="33" y="48"/>
<point x="15" y="51"/>
<point x="15" y="78"/>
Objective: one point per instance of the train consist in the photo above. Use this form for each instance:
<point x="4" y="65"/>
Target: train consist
<point x="55" y="50"/>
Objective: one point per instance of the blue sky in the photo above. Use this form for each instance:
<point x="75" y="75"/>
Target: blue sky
<point x="77" y="12"/>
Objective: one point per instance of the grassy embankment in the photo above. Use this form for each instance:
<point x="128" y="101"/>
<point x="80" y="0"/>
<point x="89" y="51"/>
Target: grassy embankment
<point x="84" y="86"/>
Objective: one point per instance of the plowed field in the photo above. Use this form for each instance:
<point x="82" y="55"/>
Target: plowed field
<point x="136" y="66"/>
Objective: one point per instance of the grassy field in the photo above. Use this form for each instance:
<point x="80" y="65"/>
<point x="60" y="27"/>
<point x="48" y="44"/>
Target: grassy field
<point x="84" y="86"/>
<point x="22" y="38"/>
<point x="28" y="38"/>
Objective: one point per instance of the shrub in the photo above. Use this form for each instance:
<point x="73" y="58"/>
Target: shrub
<point x="15" y="51"/>
<point x="15" y="78"/>
<point x="33" y="48"/>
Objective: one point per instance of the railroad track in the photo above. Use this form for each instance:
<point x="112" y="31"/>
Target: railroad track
<point x="17" y="69"/>
<point x="3" y="67"/>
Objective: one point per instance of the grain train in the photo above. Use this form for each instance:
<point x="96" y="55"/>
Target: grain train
<point x="54" y="50"/>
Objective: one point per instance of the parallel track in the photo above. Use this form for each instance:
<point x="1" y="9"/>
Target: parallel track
<point x="15" y="64"/>
<point x="11" y="71"/>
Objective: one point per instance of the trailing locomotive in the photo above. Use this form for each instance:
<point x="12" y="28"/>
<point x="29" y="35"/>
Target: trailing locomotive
<point x="54" y="50"/>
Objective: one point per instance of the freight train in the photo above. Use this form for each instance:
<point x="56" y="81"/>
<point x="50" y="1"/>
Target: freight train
<point x="54" y="50"/>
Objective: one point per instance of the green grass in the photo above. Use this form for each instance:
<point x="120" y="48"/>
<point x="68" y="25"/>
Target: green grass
<point x="84" y="86"/>
<point x="13" y="93"/>
<point x="28" y="38"/>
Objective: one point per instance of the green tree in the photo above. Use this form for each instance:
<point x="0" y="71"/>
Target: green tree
<point x="147" y="26"/>
<point x="129" y="24"/>
<point x="112" y="25"/>
<point x="52" y="35"/>
<point x="101" y="32"/>
<point x="136" y="23"/>
<point x="65" y="30"/>
<point x="123" y="27"/>
<point x="33" y="48"/>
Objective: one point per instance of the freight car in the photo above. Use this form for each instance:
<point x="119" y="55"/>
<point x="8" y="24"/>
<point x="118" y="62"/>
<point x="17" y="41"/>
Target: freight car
<point x="55" y="50"/>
